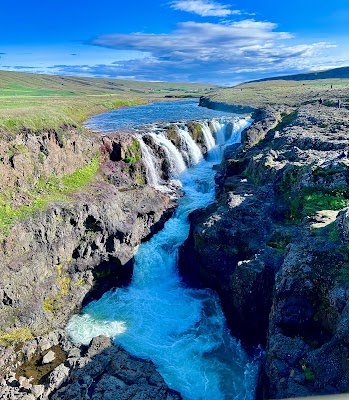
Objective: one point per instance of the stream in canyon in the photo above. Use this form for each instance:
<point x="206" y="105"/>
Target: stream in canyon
<point x="157" y="317"/>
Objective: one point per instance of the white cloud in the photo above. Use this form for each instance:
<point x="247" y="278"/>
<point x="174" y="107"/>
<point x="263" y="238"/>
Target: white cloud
<point x="214" y="52"/>
<point x="205" y="8"/>
<point x="198" y="41"/>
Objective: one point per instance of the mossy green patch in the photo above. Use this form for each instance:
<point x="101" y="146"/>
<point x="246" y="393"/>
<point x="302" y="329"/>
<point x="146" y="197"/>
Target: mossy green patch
<point x="51" y="304"/>
<point x="195" y="130"/>
<point x="309" y="374"/>
<point x="16" y="149"/>
<point x="279" y="242"/>
<point x="134" y="153"/>
<point x="310" y="200"/>
<point x="101" y="274"/>
<point x="80" y="282"/>
<point x="326" y="172"/>
<point x="286" y="120"/>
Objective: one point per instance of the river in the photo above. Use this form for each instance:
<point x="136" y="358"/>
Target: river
<point x="157" y="317"/>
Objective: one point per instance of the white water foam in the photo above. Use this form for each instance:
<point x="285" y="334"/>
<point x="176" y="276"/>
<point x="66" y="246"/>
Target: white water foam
<point x="219" y="129"/>
<point x="209" y="139"/>
<point x="149" y="160"/>
<point x="175" y="157"/>
<point x="189" y="146"/>
<point x="182" y="330"/>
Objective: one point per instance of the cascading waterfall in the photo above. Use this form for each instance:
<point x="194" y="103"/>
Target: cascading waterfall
<point x="209" y="139"/>
<point x="175" y="157"/>
<point x="149" y="160"/>
<point x="189" y="152"/>
<point x="190" y="146"/>
<point x="219" y="130"/>
<point x="182" y="330"/>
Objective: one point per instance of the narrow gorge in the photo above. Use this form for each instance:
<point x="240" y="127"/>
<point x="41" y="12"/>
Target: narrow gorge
<point x="131" y="202"/>
<point x="193" y="267"/>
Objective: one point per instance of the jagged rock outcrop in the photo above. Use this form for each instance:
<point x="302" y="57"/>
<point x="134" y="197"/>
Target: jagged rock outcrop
<point x="276" y="252"/>
<point x="27" y="157"/>
<point x="99" y="371"/>
<point x="227" y="251"/>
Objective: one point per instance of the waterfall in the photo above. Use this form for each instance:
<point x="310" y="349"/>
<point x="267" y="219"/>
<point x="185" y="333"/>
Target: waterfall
<point x="149" y="160"/>
<point x="209" y="139"/>
<point x="190" y="146"/>
<point x="188" y="152"/>
<point x="175" y="158"/>
<point x="219" y="130"/>
<point x="238" y="124"/>
<point x="182" y="330"/>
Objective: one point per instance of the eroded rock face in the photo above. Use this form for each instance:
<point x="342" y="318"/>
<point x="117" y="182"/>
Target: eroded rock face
<point x="227" y="251"/>
<point x="30" y="156"/>
<point x="51" y="257"/>
<point x="60" y="258"/>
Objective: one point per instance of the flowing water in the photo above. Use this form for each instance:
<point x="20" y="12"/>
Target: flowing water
<point x="182" y="330"/>
<point x="133" y="117"/>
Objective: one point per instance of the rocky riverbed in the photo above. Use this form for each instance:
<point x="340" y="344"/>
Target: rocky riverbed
<point x="275" y="246"/>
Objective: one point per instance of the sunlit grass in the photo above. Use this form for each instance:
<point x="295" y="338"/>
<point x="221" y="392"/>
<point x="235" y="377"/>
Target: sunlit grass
<point x="37" y="102"/>
<point x="279" y="92"/>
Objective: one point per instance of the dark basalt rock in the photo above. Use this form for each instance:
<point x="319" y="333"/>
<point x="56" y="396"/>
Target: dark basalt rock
<point x="99" y="371"/>
<point x="226" y="251"/>
<point x="275" y="251"/>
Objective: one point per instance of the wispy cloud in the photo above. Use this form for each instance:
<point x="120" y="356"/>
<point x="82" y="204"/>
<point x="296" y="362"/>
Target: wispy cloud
<point x="198" y="41"/>
<point x="205" y="8"/>
<point x="211" y="52"/>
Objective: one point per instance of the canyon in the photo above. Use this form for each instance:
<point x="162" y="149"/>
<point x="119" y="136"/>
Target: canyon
<point x="272" y="245"/>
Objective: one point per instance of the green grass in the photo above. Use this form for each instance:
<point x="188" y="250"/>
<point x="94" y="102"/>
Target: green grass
<point x="283" y="92"/>
<point x="46" y="191"/>
<point x="38" y="102"/>
<point x="52" y="113"/>
<point x="134" y="154"/>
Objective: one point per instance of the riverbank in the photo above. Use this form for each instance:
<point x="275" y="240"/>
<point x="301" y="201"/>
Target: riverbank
<point x="73" y="208"/>
<point x="274" y="246"/>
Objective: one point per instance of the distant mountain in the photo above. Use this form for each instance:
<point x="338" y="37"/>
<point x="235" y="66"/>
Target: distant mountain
<point x="335" y="73"/>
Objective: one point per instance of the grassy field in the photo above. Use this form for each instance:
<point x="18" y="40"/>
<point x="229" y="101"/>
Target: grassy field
<point x="47" y="101"/>
<point x="288" y="92"/>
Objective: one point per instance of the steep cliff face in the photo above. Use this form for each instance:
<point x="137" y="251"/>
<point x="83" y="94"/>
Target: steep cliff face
<point x="275" y="248"/>
<point x="50" y="257"/>
<point x="79" y="245"/>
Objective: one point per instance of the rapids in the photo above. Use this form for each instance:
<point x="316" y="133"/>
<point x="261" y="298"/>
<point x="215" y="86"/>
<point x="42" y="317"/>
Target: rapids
<point x="157" y="317"/>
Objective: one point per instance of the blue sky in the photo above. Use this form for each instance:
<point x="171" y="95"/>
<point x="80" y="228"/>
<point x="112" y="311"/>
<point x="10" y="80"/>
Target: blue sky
<point x="222" y="42"/>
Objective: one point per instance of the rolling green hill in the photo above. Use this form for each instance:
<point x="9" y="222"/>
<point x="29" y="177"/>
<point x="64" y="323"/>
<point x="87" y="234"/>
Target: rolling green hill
<point x="291" y="90"/>
<point x="334" y="73"/>
<point x="47" y="101"/>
